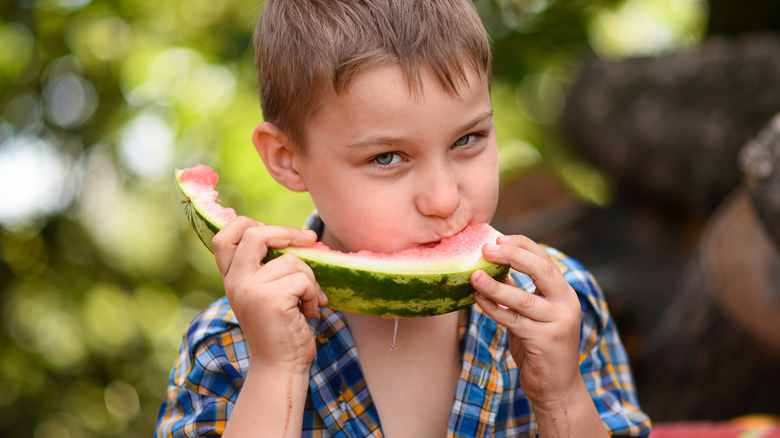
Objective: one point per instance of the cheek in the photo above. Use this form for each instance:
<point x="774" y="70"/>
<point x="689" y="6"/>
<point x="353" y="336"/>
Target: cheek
<point x="356" y="211"/>
<point x="487" y="201"/>
<point x="483" y="183"/>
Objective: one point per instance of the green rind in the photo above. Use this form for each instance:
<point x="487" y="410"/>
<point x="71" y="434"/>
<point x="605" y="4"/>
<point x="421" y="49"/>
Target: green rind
<point x="394" y="295"/>
<point x="203" y="228"/>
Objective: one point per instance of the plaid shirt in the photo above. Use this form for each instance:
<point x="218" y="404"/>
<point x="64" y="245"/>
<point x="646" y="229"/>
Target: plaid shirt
<point x="489" y="402"/>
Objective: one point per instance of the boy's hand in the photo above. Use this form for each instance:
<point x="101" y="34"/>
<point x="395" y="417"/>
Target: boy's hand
<point x="543" y="327"/>
<point x="273" y="300"/>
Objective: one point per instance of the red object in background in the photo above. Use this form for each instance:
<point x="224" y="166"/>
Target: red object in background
<point x="749" y="426"/>
<point x="696" y="430"/>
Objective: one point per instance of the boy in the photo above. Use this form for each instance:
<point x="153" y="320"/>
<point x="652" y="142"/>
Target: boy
<point x="380" y="110"/>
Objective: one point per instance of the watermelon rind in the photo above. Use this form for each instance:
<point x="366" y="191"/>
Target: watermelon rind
<point x="377" y="287"/>
<point x="205" y="229"/>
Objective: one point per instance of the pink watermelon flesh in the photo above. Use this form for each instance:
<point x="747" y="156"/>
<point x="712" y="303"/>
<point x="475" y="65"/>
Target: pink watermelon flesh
<point x="454" y="253"/>
<point x="200" y="182"/>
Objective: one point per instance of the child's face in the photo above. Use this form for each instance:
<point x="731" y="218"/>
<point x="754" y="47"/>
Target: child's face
<point x="389" y="169"/>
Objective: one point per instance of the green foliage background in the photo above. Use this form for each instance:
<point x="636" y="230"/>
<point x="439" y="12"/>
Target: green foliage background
<point x="101" y="99"/>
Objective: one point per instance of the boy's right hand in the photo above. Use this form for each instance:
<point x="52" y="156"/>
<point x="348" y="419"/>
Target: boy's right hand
<point x="273" y="300"/>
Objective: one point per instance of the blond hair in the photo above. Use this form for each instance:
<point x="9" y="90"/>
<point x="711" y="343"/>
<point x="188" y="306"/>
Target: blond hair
<point x="305" y="48"/>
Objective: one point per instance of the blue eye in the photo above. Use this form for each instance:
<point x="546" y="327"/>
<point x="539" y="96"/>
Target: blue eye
<point x="387" y="159"/>
<point x="463" y="140"/>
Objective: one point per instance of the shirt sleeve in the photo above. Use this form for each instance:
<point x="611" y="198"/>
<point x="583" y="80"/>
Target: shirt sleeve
<point x="604" y="364"/>
<point x="205" y="381"/>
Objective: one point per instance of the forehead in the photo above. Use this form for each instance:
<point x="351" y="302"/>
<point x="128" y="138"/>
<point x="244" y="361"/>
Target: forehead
<point x="381" y="96"/>
<point x="414" y="79"/>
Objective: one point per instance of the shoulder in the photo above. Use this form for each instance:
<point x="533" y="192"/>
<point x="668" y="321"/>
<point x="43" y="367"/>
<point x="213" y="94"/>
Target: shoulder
<point x="579" y="278"/>
<point x="213" y="343"/>
<point x="575" y="273"/>
<point x="216" y="318"/>
<point x="207" y="375"/>
<point x="604" y="364"/>
<point x="598" y="328"/>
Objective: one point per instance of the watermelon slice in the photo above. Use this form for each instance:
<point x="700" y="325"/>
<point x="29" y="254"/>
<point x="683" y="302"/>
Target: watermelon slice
<point x="415" y="282"/>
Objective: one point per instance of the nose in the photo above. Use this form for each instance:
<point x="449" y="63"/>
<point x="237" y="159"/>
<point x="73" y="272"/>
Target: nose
<point x="438" y="192"/>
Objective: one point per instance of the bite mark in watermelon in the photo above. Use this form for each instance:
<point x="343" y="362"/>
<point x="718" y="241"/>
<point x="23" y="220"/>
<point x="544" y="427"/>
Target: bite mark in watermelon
<point x="415" y="282"/>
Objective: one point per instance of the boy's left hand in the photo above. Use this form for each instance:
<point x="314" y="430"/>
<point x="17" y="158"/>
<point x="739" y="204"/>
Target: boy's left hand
<point x="543" y="328"/>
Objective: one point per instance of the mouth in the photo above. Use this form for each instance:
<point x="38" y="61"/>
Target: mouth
<point x="434" y="243"/>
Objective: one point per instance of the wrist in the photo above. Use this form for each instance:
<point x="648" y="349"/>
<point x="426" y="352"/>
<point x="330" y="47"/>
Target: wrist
<point x="280" y="371"/>
<point x="572" y="415"/>
<point x="556" y="402"/>
<point x="271" y="402"/>
<point x="260" y="365"/>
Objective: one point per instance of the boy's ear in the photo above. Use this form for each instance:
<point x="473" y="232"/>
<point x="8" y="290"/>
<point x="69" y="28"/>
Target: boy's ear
<point x="279" y="155"/>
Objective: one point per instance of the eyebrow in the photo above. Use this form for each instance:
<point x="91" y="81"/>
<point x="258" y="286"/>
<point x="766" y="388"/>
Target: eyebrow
<point x="385" y="140"/>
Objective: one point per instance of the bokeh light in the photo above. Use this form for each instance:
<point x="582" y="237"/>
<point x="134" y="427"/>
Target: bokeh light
<point x="17" y="49"/>
<point x="146" y="146"/>
<point x="37" y="179"/>
<point x="647" y="27"/>
<point x="69" y="100"/>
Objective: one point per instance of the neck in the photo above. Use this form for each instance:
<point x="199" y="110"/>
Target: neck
<point x="375" y="333"/>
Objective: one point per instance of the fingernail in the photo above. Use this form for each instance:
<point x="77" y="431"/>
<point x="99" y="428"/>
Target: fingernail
<point x="310" y="233"/>
<point x="491" y="247"/>
<point x="504" y="239"/>
<point x="482" y="277"/>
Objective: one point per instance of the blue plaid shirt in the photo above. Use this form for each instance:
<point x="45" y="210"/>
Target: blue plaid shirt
<point x="213" y="362"/>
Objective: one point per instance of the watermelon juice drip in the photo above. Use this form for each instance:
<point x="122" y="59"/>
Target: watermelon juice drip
<point x="393" y="345"/>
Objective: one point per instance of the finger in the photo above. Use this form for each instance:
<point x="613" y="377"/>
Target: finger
<point x="523" y="242"/>
<point x="303" y="293"/>
<point x="227" y="239"/>
<point x="287" y="264"/>
<point x="501" y="314"/>
<point x="284" y="265"/>
<point x="309" y="303"/>
<point x="290" y="265"/>
<point x="543" y="271"/>
<point x="511" y="298"/>
<point x="254" y="244"/>
<point x="312" y="300"/>
<point x="287" y="236"/>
